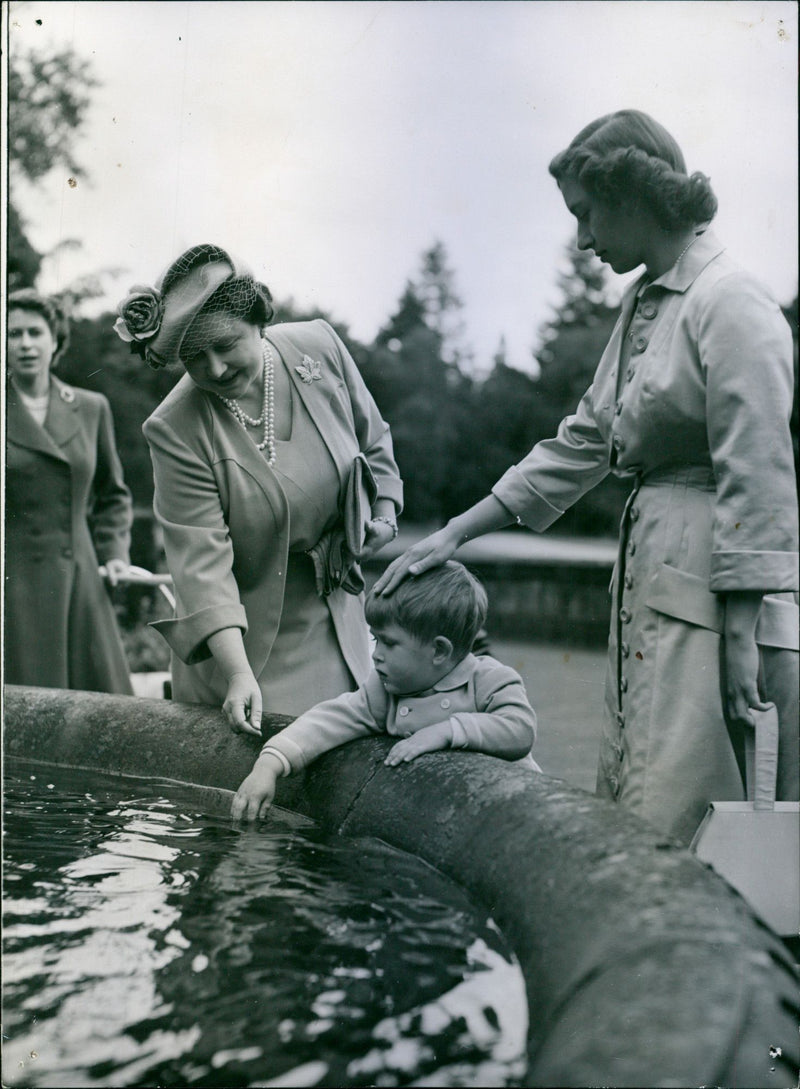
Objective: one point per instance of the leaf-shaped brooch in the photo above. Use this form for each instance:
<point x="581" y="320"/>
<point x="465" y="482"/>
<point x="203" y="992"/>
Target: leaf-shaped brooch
<point x="310" y="370"/>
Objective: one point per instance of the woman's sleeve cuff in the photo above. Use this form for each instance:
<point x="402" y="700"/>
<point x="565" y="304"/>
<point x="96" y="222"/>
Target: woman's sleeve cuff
<point x="188" y="635"/>
<point x="531" y="508"/>
<point x="770" y="572"/>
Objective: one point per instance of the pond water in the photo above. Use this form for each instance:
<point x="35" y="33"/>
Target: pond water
<point x="146" y="944"/>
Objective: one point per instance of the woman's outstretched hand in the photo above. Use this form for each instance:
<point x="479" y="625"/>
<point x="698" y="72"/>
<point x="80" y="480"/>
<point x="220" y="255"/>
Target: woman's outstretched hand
<point x="430" y="552"/>
<point x="242" y="706"/>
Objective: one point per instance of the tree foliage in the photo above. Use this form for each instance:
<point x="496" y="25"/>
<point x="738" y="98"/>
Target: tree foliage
<point x="48" y="98"/>
<point x="454" y="434"/>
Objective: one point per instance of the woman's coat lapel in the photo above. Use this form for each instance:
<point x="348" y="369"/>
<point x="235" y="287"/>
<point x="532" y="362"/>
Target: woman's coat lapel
<point x="62" y="421"/>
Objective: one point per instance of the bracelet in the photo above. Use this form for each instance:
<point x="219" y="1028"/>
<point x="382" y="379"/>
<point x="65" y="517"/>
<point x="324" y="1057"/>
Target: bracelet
<point x="388" y="521"/>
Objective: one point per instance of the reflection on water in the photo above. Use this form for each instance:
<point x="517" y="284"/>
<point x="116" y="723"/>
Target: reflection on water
<point x="147" y="945"/>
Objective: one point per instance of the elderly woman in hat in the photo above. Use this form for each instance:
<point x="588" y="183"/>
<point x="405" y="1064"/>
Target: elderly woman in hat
<point x="274" y="475"/>
<point x="67" y="511"/>
<point x="691" y="403"/>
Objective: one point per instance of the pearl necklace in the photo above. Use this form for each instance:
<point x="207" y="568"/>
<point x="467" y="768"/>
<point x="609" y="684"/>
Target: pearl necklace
<point x="688" y="246"/>
<point x="267" y="417"/>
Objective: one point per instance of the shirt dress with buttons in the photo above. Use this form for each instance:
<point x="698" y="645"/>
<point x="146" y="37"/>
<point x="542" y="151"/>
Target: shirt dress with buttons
<point x="483" y="700"/>
<point x="67" y="510"/>
<point x="691" y="400"/>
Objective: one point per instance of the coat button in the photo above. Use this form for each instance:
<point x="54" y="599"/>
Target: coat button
<point x="618" y="443"/>
<point x="625" y="615"/>
<point x="625" y="648"/>
<point x="648" y="310"/>
<point x="445" y="703"/>
<point x="620" y="719"/>
<point x="403" y="711"/>
<point x="631" y="371"/>
<point x="634" y="514"/>
<point x="618" y="408"/>
<point x="618" y="750"/>
<point x="628" y="581"/>
<point x="640" y="344"/>
<point x="631" y="548"/>
<point x="623" y="684"/>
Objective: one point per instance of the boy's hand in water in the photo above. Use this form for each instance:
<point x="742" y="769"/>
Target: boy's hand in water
<point x="430" y="552"/>
<point x="254" y="796"/>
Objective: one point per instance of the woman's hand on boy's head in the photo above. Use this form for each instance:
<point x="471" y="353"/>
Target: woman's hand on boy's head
<point x="431" y="551"/>
<point x="429" y="739"/>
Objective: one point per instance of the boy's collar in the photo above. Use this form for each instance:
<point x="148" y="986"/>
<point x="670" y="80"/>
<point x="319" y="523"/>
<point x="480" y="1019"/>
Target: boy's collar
<point x="459" y="675"/>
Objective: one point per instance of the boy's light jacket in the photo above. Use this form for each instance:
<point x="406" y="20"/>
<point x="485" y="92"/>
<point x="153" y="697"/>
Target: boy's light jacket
<point x="484" y="701"/>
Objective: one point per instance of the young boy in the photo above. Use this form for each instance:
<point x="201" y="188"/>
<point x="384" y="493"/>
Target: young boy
<point x="426" y="689"/>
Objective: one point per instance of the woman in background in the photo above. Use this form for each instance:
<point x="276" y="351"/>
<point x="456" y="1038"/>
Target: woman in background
<point x="274" y="475"/>
<point x="691" y="401"/>
<point x="67" y="511"/>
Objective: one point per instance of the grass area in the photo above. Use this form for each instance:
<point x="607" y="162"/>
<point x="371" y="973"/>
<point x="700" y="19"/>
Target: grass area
<point x="566" y="689"/>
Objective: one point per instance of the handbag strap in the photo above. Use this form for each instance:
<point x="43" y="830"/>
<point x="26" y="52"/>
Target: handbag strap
<point x="761" y="758"/>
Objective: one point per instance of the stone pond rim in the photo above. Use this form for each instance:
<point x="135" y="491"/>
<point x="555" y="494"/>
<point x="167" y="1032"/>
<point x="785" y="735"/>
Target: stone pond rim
<point x="642" y="967"/>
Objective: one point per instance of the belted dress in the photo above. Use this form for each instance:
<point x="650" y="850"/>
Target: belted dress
<point x="692" y="401"/>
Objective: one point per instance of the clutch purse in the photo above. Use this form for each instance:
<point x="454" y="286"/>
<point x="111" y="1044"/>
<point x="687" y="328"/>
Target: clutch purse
<point x="336" y="554"/>
<point x="755" y="845"/>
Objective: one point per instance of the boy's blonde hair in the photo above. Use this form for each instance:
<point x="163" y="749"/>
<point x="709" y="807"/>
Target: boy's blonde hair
<point x="446" y="600"/>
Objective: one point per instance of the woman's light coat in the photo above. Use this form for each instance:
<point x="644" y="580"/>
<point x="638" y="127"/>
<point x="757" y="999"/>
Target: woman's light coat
<point x="224" y="515"/>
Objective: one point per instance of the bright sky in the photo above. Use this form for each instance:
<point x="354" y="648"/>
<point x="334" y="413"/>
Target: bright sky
<point x="328" y="144"/>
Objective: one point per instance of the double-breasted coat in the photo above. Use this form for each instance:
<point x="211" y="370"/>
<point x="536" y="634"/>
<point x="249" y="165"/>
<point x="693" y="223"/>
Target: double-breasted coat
<point x="691" y="400"/>
<point x="226" y="520"/>
<point x="67" y="511"/>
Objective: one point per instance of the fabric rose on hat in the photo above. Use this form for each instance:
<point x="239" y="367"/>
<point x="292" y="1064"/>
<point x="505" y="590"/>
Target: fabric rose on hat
<point x="140" y="314"/>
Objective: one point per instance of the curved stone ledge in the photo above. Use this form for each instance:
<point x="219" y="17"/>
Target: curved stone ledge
<point x="642" y="966"/>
